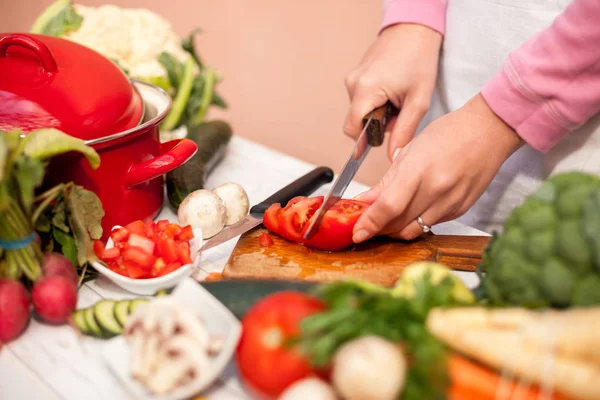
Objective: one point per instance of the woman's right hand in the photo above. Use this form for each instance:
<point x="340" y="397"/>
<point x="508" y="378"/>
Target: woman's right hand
<point x="400" y="66"/>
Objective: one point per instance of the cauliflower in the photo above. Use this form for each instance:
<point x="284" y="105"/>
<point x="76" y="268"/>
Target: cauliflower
<point x="134" y="38"/>
<point x="549" y="252"/>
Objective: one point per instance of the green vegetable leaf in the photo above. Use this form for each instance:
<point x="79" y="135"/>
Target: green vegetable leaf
<point x="67" y="245"/>
<point x="181" y="98"/>
<point x="173" y="66"/>
<point x="189" y="46"/>
<point x="47" y="143"/>
<point x="59" y="219"/>
<point x="3" y="157"/>
<point x="28" y="174"/>
<point x="85" y="215"/>
<point x="218" y="101"/>
<point x="59" y="19"/>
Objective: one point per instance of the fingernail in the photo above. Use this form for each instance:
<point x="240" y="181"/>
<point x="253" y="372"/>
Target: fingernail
<point x="360" y="195"/>
<point x="360" y="236"/>
<point x="396" y="152"/>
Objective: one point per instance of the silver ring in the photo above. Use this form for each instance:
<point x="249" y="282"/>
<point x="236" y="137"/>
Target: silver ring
<point x="426" y="228"/>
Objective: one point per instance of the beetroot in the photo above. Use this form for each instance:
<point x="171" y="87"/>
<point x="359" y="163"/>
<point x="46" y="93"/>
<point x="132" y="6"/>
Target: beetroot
<point x="54" y="298"/>
<point x="14" y="309"/>
<point x="57" y="264"/>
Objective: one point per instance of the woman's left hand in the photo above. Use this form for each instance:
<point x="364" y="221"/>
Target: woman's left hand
<point x="440" y="174"/>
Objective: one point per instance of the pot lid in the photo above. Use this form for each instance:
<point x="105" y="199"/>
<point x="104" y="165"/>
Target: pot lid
<point x="49" y="82"/>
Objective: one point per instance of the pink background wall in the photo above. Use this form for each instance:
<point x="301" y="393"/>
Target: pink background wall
<point x="283" y="62"/>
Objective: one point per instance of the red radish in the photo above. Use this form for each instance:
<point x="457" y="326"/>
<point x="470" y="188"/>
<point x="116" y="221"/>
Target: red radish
<point x="58" y="264"/>
<point x="14" y="309"/>
<point x="54" y="298"/>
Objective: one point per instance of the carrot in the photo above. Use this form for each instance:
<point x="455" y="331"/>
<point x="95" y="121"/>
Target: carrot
<point x="471" y="381"/>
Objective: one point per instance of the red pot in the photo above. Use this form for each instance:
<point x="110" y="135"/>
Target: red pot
<point x="52" y="82"/>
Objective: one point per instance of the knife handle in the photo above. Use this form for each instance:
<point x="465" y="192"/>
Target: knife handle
<point x="379" y="120"/>
<point x="302" y="186"/>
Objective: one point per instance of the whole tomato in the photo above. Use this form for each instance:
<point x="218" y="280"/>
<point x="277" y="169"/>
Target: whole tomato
<point x="266" y="362"/>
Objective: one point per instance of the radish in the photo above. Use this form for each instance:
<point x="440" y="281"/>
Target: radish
<point x="58" y="264"/>
<point x="14" y="309"/>
<point x="54" y="298"/>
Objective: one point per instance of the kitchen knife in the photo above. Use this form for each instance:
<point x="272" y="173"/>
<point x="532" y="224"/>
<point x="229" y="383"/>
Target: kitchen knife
<point x="372" y="135"/>
<point x="302" y="186"/>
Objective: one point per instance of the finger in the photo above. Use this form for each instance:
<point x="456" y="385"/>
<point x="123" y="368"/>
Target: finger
<point x="350" y="83"/>
<point x="390" y="203"/>
<point x="370" y="195"/>
<point x="413" y="230"/>
<point x="366" y="98"/>
<point x="406" y="125"/>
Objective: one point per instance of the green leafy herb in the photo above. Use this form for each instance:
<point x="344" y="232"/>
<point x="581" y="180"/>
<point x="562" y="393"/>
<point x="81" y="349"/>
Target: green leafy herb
<point x="188" y="45"/>
<point x="355" y="311"/>
<point x="67" y="245"/>
<point x="44" y="144"/>
<point x="173" y="67"/>
<point x="59" y="19"/>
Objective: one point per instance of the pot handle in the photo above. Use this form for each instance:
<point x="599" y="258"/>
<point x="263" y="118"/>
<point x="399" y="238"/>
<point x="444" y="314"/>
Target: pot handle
<point x="30" y="43"/>
<point x="173" y="154"/>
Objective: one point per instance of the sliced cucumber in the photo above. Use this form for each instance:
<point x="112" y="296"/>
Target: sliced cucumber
<point x="162" y="292"/>
<point x="104" y="311"/>
<point x="79" y="321"/>
<point x="122" y="312"/>
<point x="135" y="303"/>
<point x="91" y="323"/>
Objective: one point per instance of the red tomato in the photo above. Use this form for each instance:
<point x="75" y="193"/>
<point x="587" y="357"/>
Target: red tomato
<point x="136" y="227"/>
<point x="158" y="265"/>
<point x="167" y="248"/>
<point x="150" y="229"/>
<point x="138" y="256"/>
<point x="186" y="234"/>
<point x="142" y="242"/>
<point x="294" y="218"/>
<point x="271" y="218"/>
<point x="265" y="240"/>
<point x="162" y="225"/>
<point x="99" y="248"/>
<point x="265" y="360"/>
<point x="335" y="230"/>
<point x="183" y="253"/>
<point x="136" y="271"/>
<point x="119" y="235"/>
<point x="111" y="254"/>
<point x="169" y="268"/>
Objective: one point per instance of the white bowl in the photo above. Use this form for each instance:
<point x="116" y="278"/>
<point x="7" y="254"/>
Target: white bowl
<point x="150" y="286"/>
<point x="219" y="321"/>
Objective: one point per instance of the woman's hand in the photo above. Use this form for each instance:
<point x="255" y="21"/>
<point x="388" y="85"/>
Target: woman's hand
<point x="440" y="174"/>
<point x="400" y="66"/>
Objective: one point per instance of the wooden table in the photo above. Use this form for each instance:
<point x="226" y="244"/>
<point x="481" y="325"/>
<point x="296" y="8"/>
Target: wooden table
<point x="49" y="362"/>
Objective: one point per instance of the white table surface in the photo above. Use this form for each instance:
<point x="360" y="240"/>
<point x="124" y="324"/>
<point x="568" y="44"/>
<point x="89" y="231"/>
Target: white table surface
<point x="50" y="362"/>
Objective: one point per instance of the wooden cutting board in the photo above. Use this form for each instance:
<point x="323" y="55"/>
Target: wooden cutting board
<point x="379" y="260"/>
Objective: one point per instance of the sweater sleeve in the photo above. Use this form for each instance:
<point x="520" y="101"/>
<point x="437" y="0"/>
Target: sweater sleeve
<point x="551" y="84"/>
<point x="431" y="13"/>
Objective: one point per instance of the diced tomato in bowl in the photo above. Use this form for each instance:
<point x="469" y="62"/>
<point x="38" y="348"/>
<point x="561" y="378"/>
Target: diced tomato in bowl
<point x="146" y="256"/>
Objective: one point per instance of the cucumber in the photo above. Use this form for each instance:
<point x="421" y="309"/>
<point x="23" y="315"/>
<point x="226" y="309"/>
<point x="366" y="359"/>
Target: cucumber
<point x="90" y="320"/>
<point x="133" y="304"/>
<point x="122" y="312"/>
<point x="104" y="311"/>
<point x="212" y="139"/>
<point x="162" y="292"/>
<point x="79" y="321"/>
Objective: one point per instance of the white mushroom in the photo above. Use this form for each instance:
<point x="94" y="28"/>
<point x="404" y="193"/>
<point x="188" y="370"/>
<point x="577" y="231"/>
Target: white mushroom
<point x="236" y="201"/>
<point x="369" y="368"/>
<point x="182" y="362"/>
<point x="309" y="388"/>
<point x="203" y="209"/>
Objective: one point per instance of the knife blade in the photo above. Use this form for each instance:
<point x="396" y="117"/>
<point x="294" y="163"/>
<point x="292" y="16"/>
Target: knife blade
<point x="303" y="186"/>
<point x="372" y="135"/>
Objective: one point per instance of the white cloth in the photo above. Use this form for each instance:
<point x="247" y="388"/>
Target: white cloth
<point x="479" y="36"/>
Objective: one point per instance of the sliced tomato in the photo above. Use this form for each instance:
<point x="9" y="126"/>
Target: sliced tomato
<point x="271" y="217"/>
<point x="183" y="253"/>
<point x="159" y="264"/>
<point x="186" y="234"/>
<point x="99" y="248"/>
<point x="162" y="225"/>
<point x="173" y="230"/>
<point x="266" y="361"/>
<point x="111" y="254"/>
<point x="138" y="256"/>
<point x="136" y="271"/>
<point x="150" y="229"/>
<point x="167" y="248"/>
<point x="335" y="230"/>
<point x="142" y="242"/>
<point x="169" y="268"/>
<point x="119" y="235"/>
<point x="294" y="218"/>
<point x="136" y="227"/>
<point x="265" y="240"/>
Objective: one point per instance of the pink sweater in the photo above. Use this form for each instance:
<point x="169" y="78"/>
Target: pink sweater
<point x="550" y="85"/>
